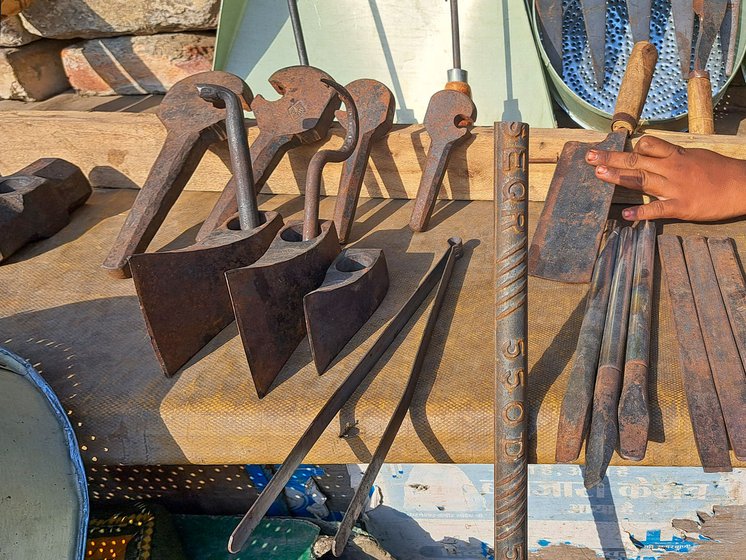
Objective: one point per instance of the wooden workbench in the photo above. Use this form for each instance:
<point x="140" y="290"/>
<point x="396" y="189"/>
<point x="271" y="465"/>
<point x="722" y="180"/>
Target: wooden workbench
<point x="86" y="334"/>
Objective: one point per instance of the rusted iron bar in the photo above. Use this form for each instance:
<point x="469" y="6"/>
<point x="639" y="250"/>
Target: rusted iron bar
<point x="376" y="106"/>
<point x="722" y="352"/>
<point x="576" y="405"/>
<point x="300" y="42"/>
<point x="634" y="416"/>
<point x="701" y="396"/>
<point x="332" y="407"/>
<point x="320" y="159"/>
<point x="238" y="149"/>
<point x="511" y="334"/>
<point x="732" y="287"/>
<point x="603" y="435"/>
<point x="392" y="428"/>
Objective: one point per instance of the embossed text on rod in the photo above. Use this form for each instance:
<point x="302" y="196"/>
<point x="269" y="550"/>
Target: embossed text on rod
<point x="511" y="332"/>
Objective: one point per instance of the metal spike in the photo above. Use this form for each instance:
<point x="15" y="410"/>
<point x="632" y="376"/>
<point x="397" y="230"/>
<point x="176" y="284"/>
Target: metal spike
<point x="594" y="14"/>
<point x="683" y="22"/>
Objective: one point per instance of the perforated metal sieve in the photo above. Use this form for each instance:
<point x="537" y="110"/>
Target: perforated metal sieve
<point x="577" y="92"/>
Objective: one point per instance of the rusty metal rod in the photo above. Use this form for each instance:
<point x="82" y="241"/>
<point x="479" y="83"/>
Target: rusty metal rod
<point x="322" y="157"/>
<point x="576" y="405"/>
<point x="722" y="352"/>
<point x="455" y="38"/>
<point x="238" y="148"/>
<point x="511" y="332"/>
<point x="332" y="407"/>
<point x="701" y="396"/>
<point x="732" y="287"/>
<point x="392" y="428"/>
<point x="603" y="435"/>
<point x="300" y="42"/>
<point x="634" y="415"/>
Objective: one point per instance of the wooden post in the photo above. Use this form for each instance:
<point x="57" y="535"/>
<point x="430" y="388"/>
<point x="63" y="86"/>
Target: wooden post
<point x="511" y="331"/>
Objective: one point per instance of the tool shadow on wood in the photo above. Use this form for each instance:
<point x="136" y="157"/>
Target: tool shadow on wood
<point x="395" y="241"/>
<point x="431" y="369"/>
<point x="102" y="176"/>
<point x="555" y="359"/>
<point x="79" y="391"/>
<point x="181" y="241"/>
<point x="656" y="430"/>
<point x="380" y="210"/>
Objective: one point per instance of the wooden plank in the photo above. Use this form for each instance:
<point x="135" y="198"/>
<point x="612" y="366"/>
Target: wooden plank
<point x="117" y="149"/>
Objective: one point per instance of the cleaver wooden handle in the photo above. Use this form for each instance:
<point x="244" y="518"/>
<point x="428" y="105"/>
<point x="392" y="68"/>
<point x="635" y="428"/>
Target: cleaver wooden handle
<point x="635" y="86"/>
<point x="699" y="92"/>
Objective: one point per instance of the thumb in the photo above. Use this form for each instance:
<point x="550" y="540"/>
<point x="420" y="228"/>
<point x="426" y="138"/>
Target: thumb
<point x="653" y="210"/>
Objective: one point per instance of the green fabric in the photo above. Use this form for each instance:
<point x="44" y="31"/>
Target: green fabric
<point x="205" y="537"/>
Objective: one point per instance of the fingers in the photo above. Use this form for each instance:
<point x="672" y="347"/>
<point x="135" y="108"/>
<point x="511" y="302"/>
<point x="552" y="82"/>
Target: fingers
<point x="646" y="155"/>
<point x="654" y="210"/>
<point x="635" y="179"/>
<point x="655" y="147"/>
<point x="623" y="160"/>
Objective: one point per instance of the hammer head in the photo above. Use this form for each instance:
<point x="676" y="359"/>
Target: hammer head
<point x="36" y="202"/>
<point x="306" y="108"/>
<point x="183" y="109"/>
<point x="449" y="115"/>
<point x="375" y="107"/>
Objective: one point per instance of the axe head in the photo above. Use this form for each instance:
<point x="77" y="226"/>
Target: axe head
<point x="353" y="288"/>
<point x="267" y="297"/>
<point x="183" y="295"/>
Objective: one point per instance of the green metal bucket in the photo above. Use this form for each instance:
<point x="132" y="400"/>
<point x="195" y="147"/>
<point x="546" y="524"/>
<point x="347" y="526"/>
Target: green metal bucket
<point x="592" y="108"/>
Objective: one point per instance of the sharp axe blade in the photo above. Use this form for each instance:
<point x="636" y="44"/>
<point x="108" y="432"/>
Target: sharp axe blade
<point x="183" y="295"/>
<point x="353" y="288"/>
<point x="267" y="297"/>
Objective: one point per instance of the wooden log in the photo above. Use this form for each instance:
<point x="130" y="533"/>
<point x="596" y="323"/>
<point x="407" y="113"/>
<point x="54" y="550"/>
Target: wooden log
<point x="118" y="149"/>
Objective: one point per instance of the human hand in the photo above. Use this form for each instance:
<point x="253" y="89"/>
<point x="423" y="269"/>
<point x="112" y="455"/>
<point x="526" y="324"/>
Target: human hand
<point x="689" y="183"/>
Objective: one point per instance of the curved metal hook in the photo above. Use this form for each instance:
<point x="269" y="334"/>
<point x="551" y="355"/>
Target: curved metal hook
<point x="321" y="158"/>
<point x="238" y="147"/>
<point x="353" y="122"/>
